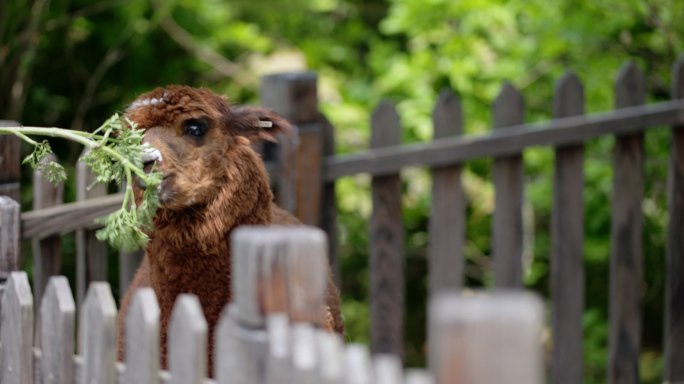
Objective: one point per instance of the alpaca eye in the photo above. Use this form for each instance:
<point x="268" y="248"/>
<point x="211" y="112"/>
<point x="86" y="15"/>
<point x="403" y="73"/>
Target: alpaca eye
<point x="195" y="128"/>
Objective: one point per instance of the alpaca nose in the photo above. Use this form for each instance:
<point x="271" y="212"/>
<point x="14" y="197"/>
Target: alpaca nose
<point x="150" y="157"/>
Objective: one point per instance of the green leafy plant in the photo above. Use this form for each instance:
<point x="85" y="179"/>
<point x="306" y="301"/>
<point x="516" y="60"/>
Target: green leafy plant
<point x="115" y="155"/>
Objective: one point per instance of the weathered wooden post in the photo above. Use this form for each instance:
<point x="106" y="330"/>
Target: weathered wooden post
<point x="10" y="163"/>
<point x="507" y="231"/>
<point x="9" y="240"/>
<point x="187" y="341"/>
<point x="142" y="338"/>
<point x="91" y="254"/>
<point x="386" y="243"/>
<point x="674" y="306"/>
<point x="567" y="239"/>
<point x="486" y="338"/>
<point x="626" y="250"/>
<point x="58" y="311"/>
<point x="17" y="331"/>
<point x="97" y="335"/>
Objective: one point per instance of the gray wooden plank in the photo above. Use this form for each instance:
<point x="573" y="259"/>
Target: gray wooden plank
<point x="97" y="335"/>
<point x="187" y="341"/>
<point x="512" y="140"/>
<point x="58" y="313"/>
<point x="386" y="251"/>
<point x="507" y="229"/>
<point x="91" y="254"/>
<point x="674" y="290"/>
<point x="129" y="262"/>
<point x="357" y="365"/>
<point x="447" y="218"/>
<point x="331" y="349"/>
<point x="387" y="369"/>
<point x="486" y="338"/>
<point x="47" y="253"/>
<point x="10" y="151"/>
<point x="142" y="338"/>
<point x="567" y="242"/>
<point x="626" y="256"/>
<point x="306" y="274"/>
<point x="9" y="236"/>
<point x="305" y="357"/>
<point x="279" y="359"/>
<point x="328" y="217"/>
<point x="17" y="331"/>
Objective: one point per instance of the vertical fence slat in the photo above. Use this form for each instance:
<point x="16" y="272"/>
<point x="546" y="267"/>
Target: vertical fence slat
<point x="129" y="262"/>
<point x="507" y="234"/>
<point x="306" y="274"/>
<point x="387" y="369"/>
<point x="626" y="258"/>
<point x="331" y="348"/>
<point x="58" y="313"/>
<point x="240" y="352"/>
<point x="278" y="361"/>
<point x="304" y="354"/>
<point x="47" y="253"/>
<point x="9" y="236"/>
<point x="674" y="291"/>
<point x="386" y="243"/>
<point x="188" y="341"/>
<point x="329" y="204"/>
<point x="97" y="335"/>
<point x="357" y="365"/>
<point x="91" y="254"/>
<point x="10" y="166"/>
<point x="17" y="331"/>
<point x="142" y="338"/>
<point x="567" y="238"/>
<point x="447" y="220"/>
<point x="486" y="338"/>
<point x="418" y="376"/>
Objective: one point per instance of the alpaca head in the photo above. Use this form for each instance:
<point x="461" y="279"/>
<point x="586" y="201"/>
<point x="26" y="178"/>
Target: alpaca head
<point x="202" y="145"/>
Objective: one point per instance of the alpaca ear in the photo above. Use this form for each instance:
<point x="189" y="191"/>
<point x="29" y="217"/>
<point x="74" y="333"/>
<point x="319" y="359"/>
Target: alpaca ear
<point x="256" y="123"/>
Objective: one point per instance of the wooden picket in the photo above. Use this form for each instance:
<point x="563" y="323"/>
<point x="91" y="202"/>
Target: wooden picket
<point x="17" y="331"/>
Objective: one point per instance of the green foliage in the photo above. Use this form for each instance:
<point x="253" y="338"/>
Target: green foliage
<point x="39" y="160"/>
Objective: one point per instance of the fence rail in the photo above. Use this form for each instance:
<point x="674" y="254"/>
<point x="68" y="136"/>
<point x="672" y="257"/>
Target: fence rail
<point x="269" y="334"/>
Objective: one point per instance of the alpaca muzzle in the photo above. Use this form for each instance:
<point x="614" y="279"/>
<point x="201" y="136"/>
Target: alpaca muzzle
<point x="150" y="157"/>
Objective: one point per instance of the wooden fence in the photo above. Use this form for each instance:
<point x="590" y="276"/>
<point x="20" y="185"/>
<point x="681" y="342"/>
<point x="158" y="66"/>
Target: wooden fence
<point x="268" y="334"/>
<point x="305" y="170"/>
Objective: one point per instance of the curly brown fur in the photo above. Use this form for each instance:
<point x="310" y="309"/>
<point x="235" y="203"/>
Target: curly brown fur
<point x="212" y="184"/>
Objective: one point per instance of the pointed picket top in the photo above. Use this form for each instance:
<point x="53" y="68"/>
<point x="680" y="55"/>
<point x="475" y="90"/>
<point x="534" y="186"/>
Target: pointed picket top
<point x="447" y="116"/>
<point x="568" y="97"/>
<point x="385" y="125"/>
<point x="58" y="313"/>
<point x="331" y="348"/>
<point x="508" y="107"/>
<point x="418" y="376"/>
<point x="630" y="86"/>
<point x="307" y="259"/>
<point x="225" y="346"/>
<point x="678" y="78"/>
<point x="387" y="368"/>
<point x="357" y="365"/>
<point x="17" y="331"/>
<point x="187" y="341"/>
<point x="305" y="357"/>
<point x="142" y="338"/>
<point x="97" y="335"/>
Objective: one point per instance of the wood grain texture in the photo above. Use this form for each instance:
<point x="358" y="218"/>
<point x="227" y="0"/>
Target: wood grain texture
<point x="9" y="236"/>
<point x="358" y="367"/>
<point x="58" y="313"/>
<point x="507" y="228"/>
<point x="567" y="243"/>
<point x="188" y="341"/>
<point x="12" y="190"/>
<point x="626" y="256"/>
<point x="331" y="348"/>
<point x="97" y="335"/>
<point x="386" y="251"/>
<point x="10" y="152"/>
<point x="17" y="331"/>
<point x="309" y="176"/>
<point x="505" y="142"/>
<point x="91" y="254"/>
<point x="328" y="216"/>
<point x="293" y="95"/>
<point x="240" y="352"/>
<point x="674" y="290"/>
<point x="447" y="219"/>
<point x="47" y="252"/>
<point x="286" y="189"/>
<point x="67" y="217"/>
<point x="387" y="369"/>
<point x="486" y="338"/>
<point x="142" y="338"/>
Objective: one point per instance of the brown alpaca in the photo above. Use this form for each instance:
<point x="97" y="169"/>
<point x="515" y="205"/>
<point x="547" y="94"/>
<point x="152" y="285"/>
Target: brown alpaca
<point x="213" y="182"/>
